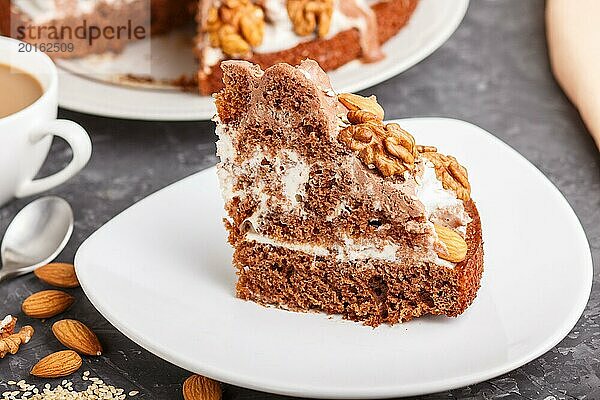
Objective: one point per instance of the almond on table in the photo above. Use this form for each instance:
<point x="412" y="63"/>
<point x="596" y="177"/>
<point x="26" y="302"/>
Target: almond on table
<point x="77" y="336"/>
<point x="57" y="365"/>
<point x="61" y="275"/>
<point x="198" y="387"/>
<point x="47" y="304"/>
<point x="12" y="342"/>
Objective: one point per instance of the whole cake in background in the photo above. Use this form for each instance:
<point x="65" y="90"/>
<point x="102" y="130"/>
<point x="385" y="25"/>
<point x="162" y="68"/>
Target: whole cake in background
<point x="331" y="209"/>
<point x="265" y="32"/>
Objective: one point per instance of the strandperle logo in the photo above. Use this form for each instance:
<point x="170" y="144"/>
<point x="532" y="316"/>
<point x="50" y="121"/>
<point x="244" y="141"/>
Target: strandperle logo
<point x="82" y="32"/>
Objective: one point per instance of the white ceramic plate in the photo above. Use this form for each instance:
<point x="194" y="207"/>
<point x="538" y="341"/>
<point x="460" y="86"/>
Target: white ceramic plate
<point x="431" y="25"/>
<point x="161" y="273"/>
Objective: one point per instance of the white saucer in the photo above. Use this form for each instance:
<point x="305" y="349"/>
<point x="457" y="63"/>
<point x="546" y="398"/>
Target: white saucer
<point x="161" y="273"/>
<point x="430" y="26"/>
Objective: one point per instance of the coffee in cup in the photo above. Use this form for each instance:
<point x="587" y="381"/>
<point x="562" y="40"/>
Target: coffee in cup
<point x="19" y="90"/>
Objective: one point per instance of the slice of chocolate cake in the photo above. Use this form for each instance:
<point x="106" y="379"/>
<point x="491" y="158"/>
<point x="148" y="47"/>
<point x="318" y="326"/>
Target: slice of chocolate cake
<point x="331" y="209"/>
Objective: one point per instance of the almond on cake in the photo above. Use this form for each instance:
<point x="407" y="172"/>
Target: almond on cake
<point x="331" y="209"/>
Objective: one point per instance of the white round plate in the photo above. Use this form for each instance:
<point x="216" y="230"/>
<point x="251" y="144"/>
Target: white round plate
<point x="430" y="26"/>
<point x="161" y="273"/>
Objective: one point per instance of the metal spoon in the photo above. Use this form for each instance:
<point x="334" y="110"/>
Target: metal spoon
<point x="38" y="233"/>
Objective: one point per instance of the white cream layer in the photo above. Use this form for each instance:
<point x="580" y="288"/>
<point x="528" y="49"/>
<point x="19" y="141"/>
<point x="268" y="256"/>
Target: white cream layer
<point x="294" y="176"/>
<point x="436" y="199"/>
<point x="432" y="194"/>
<point x="350" y="251"/>
<point x="226" y="153"/>
<point x="290" y="169"/>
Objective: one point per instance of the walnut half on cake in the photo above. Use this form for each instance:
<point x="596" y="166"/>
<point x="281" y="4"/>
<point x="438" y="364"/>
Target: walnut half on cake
<point x="331" y="209"/>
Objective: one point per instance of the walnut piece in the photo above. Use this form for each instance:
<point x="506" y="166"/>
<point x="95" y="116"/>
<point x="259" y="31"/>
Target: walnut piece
<point x="453" y="175"/>
<point x="310" y="15"/>
<point x="392" y="150"/>
<point x="11" y="341"/>
<point x="388" y="148"/>
<point x="355" y="102"/>
<point x="235" y="26"/>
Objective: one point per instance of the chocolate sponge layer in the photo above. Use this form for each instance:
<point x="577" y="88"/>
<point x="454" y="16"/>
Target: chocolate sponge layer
<point x="370" y="291"/>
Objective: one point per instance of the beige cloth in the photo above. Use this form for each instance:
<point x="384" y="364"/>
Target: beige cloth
<point x="573" y="31"/>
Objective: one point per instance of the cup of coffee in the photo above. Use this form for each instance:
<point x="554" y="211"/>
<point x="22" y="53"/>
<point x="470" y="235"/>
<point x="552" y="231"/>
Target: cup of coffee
<point x="28" y="112"/>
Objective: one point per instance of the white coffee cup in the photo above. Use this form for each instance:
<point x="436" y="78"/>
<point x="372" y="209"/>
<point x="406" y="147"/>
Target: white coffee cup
<point x="26" y="136"/>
